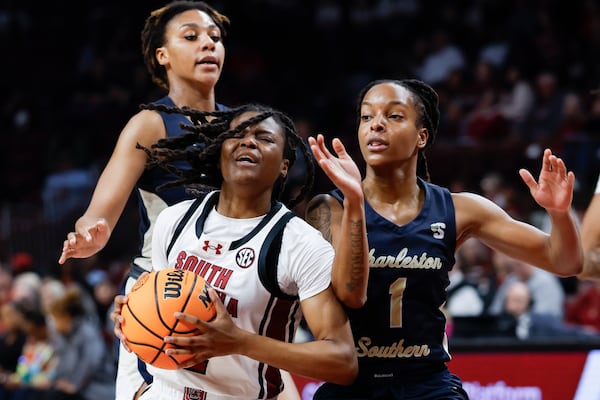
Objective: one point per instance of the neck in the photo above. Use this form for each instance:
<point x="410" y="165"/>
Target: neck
<point x="197" y="99"/>
<point x="240" y="205"/>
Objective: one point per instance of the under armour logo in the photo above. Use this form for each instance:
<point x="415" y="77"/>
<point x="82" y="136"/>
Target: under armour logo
<point x="216" y="249"/>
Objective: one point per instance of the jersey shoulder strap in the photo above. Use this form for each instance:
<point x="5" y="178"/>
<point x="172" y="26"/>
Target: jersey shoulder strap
<point x="188" y="214"/>
<point x="269" y="258"/>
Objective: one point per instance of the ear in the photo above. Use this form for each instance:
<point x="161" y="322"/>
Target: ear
<point x="285" y="164"/>
<point x="162" y="55"/>
<point x="423" y="135"/>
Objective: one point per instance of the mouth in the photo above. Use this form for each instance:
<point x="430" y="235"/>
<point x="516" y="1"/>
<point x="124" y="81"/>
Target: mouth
<point x="377" y="144"/>
<point x="245" y="159"/>
<point x="208" y="60"/>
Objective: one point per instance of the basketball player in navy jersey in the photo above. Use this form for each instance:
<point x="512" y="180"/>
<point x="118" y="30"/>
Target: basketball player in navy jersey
<point x="262" y="285"/>
<point x="182" y="45"/>
<point x="414" y="229"/>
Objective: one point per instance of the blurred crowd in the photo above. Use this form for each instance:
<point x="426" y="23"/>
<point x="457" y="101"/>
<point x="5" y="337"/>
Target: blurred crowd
<point x="514" y="76"/>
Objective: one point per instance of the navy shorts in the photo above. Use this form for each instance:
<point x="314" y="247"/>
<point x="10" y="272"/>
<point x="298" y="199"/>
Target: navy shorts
<point x="442" y="385"/>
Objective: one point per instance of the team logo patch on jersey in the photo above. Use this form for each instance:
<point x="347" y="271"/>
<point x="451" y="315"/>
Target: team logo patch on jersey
<point x="245" y="257"/>
<point x="438" y="229"/>
<point x="193" y="394"/>
<point x="208" y="247"/>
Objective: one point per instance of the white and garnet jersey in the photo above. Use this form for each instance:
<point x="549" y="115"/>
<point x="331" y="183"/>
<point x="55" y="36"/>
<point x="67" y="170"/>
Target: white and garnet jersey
<point x="227" y="253"/>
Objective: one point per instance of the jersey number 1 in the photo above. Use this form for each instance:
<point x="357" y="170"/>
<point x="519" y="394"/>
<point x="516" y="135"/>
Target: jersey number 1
<point x="396" y="292"/>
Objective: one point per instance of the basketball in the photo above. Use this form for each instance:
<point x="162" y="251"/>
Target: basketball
<point x="149" y="313"/>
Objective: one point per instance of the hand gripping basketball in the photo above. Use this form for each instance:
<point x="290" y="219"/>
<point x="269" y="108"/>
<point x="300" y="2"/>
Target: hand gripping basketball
<point x="148" y="315"/>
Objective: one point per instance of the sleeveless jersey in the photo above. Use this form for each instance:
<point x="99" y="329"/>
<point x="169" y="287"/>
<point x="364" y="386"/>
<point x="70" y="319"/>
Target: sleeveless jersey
<point x="228" y="252"/>
<point x="150" y="201"/>
<point x="400" y="332"/>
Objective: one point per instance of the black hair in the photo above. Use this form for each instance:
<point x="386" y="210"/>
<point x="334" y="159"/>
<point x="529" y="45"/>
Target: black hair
<point x="426" y="102"/>
<point x="153" y="33"/>
<point x="200" y="148"/>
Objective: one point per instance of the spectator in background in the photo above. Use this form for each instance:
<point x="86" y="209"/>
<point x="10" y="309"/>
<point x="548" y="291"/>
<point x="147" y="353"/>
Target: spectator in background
<point x="583" y="308"/>
<point x="468" y="273"/>
<point x="37" y="361"/>
<point x="86" y="370"/>
<point x="543" y="121"/>
<point x="516" y="99"/>
<point x="443" y="58"/>
<point x="67" y="190"/>
<point x="12" y="340"/>
<point x="546" y="290"/>
<point x="537" y="325"/>
<point x="6" y="281"/>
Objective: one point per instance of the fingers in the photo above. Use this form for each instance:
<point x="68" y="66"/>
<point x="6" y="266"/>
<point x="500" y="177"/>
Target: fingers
<point x="527" y="178"/>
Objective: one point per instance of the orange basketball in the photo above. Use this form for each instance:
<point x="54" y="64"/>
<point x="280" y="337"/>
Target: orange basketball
<point x="149" y="313"/>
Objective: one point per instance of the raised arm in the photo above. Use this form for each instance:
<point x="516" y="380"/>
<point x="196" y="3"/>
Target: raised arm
<point x="559" y="252"/>
<point x="345" y="226"/>
<point x="125" y="166"/>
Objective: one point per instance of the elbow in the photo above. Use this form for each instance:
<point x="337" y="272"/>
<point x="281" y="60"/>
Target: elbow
<point x="348" y="371"/>
<point x="353" y="301"/>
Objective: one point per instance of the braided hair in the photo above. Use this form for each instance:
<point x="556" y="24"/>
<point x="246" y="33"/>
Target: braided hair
<point x="153" y="33"/>
<point x="194" y="156"/>
<point x="426" y="101"/>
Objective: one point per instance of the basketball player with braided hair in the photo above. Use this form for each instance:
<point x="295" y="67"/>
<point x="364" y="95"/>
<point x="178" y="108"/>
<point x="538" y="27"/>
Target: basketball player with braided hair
<point x="183" y="49"/>
<point x="414" y="228"/>
<point x="267" y="267"/>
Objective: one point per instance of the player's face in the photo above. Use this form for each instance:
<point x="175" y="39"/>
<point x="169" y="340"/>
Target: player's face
<point x="388" y="131"/>
<point x="255" y="155"/>
<point x="193" y="50"/>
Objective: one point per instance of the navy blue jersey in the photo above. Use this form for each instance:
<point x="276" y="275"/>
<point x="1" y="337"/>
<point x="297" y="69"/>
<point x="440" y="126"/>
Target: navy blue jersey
<point x="400" y="332"/>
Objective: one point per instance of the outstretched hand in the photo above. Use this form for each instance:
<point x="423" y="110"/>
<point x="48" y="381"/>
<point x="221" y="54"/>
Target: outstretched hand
<point x="342" y="170"/>
<point x="554" y="189"/>
<point x="87" y="240"/>
<point x="219" y="337"/>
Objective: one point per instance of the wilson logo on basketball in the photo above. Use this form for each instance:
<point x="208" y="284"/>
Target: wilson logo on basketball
<point x="173" y="285"/>
<point x="245" y="257"/>
<point x="216" y="249"/>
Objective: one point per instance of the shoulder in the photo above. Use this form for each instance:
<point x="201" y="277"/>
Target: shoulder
<point x="322" y="206"/>
<point x="172" y="213"/>
<point x="145" y="127"/>
<point x="302" y="234"/>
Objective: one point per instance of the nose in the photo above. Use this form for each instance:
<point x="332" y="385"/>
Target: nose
<point x="248" y="141"/>
<point x="378" y="123"/>
<point x="206" y="42"/>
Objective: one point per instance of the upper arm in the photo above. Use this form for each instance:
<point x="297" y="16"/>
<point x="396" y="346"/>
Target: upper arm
<point x="326" y="318"/>
<point x="477" y="216"/>
<point x="125" y="166"/>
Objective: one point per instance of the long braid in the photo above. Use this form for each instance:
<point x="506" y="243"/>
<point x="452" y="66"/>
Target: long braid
<point x="194" y="156"/>
<point x="427" y="103"/>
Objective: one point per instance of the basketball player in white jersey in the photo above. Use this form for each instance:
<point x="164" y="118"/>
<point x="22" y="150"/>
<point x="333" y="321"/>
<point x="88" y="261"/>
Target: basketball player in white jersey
<point x="263" y="283"/>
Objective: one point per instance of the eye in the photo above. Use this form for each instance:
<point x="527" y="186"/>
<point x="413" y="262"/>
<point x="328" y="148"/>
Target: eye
<point x="215" y="38"/>
<point x="397" y="117"/>
<point x="266" y="138"/>
<point x="191" y="37"/>
<point x="365" y="117"/>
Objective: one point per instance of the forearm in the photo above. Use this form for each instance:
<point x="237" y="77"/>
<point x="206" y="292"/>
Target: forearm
<point x="329" y="360"/>
<point x="565" y="248"/>
<point x="351" y="264"/>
